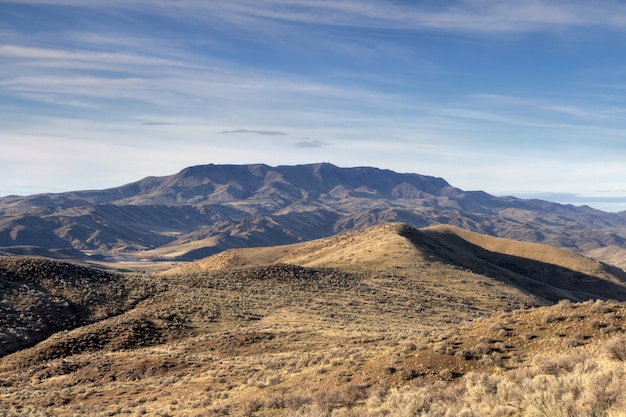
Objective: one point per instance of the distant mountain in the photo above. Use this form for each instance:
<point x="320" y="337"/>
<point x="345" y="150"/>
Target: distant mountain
<point x="206" y="209"/>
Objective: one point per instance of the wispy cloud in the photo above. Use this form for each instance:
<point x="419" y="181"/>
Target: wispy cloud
<point x="254" y="132"/>
<point x="464" y="15"/>
<point x="460" y="15"/>
<point x="55" y="57"/>
<point x="310" y="143"/>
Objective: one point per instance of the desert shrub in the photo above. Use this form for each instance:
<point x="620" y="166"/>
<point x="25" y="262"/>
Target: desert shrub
<point x="496" y="327"/>
<point x="446" y="374"/>
<point x="605" y="390"/>
<point x="596" y="324"/>
<point x="351" y="394"/>
<point x="552" y="318"/>
<point x="326" y="399"/>
<point x="611" y="328"/>
<point x="494" y="358"/>
<point x="480" y="387"/>
<point x="376" y="395"/>
<point x="481" y="349"/>
<point x="249" y="407"/>
<point x="616" y="348"/>
<point x="464" y="354"/>
<point x="550" y="399"/>
<point x="446" y="347"/>
<point x="573" y="341"/>
<point x="312" y="410"/>
<point x="557" y="364"/>
<point x="600" y="306"/>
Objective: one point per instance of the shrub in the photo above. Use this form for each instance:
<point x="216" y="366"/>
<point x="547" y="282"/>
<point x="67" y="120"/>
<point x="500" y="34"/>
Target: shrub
<point x="616" y="348"/>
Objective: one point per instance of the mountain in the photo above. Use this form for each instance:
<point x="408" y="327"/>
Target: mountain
<point x="387" y="320"/>
<point x="206" y="209"/>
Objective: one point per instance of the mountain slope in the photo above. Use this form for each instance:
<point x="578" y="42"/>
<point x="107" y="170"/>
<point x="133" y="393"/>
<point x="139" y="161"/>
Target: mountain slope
<point x="42" y="296"/>
<point x="370" y="322"/>
<point x="541" y="271"/>
<point x="209" y="208"/>
<point x="393" y="271"/>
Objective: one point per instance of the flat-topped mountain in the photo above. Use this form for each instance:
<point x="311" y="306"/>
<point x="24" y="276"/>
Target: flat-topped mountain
<point x="206" y="209"/>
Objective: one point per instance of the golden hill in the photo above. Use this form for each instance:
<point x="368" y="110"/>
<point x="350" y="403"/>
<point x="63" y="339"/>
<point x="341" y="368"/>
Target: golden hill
<point x="386" y="321"/>
<point x="543" y="271"/>
<point x="513" y="364"/>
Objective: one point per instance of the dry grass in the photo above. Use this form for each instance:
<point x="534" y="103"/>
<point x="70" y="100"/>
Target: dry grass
<point x="246" y="334"/>
<point x="260" y="370"/>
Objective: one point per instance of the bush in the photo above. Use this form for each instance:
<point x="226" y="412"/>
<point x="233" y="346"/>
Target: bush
<point x="616" y="348"/>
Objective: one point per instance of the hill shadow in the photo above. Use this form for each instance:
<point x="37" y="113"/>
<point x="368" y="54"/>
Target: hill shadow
<point x="539" y="279"/>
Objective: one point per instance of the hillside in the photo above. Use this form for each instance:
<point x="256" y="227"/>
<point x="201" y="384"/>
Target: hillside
<point x="542" y="271"/>
<point x="367" y="321"/>
<point x="41" y="297"/>
<point x="207" y="209"/>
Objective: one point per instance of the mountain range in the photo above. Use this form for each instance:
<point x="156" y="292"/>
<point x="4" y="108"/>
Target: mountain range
<point x="206" y="209"/>
<point x="310" y="290"/>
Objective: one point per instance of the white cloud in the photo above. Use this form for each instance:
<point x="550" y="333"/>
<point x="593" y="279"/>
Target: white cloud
<point x="77" y="59"/>
<point x="464" y="15"/>
<point x="128" y="102"/>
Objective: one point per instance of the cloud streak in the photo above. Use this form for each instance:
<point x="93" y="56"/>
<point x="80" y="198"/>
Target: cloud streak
<point x="254" y="132"/>
<point x="464" y="15"/>
<point x="305" y="143"/>
<point x="458" y="89"/>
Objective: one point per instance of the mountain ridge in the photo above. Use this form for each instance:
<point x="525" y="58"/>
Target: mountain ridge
<point x="545" y="272"/>
<point x="205" y="209"/>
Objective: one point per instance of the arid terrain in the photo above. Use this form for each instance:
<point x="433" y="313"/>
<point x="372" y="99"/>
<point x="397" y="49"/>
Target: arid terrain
<point x="389" y="320"/>
<point x="206" y="209"/>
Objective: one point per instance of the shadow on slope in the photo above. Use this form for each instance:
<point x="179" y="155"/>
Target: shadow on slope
<point x="547" y="280"/>
<point x="443" y="254"/>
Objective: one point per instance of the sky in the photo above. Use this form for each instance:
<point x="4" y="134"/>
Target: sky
<point x="513" y="97"/>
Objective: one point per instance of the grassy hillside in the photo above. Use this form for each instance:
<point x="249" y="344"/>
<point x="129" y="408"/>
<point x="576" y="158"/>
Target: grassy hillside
<point x="42" y="296"/>
<point x="387" y="321"/>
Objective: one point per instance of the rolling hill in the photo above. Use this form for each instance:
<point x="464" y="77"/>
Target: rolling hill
<point x="366" y="321"/>
<point x="206" y="209"/>
<point x="547" y="273"/>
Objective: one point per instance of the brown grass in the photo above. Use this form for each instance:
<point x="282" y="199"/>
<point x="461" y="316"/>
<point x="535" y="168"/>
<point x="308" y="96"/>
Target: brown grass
<point x="366" y="324"/>
<point x="258" y="369"/>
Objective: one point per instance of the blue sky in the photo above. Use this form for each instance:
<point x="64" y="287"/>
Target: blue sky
<point x="524" y="98"/>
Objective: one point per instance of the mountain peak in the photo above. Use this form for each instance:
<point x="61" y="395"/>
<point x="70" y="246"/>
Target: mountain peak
<point x="205" y="209"/>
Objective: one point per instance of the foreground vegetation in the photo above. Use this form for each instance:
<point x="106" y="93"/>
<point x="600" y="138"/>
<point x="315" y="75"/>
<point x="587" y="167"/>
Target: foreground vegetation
<point x="386" y="322"/>
<point x="564" y="360"/>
